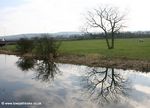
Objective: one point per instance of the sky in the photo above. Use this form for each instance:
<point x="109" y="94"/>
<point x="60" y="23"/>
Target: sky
<point x="50" y="16"/>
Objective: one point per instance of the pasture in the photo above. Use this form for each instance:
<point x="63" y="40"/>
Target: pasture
<point x="132" y="48"/>
<point x="124" y="48"/>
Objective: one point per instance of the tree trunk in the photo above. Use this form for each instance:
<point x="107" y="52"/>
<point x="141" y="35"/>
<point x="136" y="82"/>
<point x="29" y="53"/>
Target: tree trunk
<point x="112" y="40"/>
<point x="110" y="44"/>
<point x="107" y="41"/>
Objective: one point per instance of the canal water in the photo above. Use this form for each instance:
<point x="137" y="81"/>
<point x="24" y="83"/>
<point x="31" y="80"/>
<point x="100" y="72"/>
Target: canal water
<point x="29" y="83"/>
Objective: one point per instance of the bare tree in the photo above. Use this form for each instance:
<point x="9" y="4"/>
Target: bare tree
<point x="109" y="20"/>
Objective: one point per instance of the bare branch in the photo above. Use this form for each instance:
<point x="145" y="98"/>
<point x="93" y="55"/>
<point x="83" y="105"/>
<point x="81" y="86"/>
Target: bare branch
<point x="107" y="19"/>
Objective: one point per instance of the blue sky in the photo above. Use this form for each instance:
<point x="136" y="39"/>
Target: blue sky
<point x="10" y="3"/>
<point x="37" y="16"/>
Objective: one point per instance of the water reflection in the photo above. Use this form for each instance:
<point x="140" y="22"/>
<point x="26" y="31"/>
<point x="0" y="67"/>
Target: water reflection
<point x="45" y="69"/>
<point x="25" y="64"/>
<point x="102" y="85"/>
<point x="106" y="86"/>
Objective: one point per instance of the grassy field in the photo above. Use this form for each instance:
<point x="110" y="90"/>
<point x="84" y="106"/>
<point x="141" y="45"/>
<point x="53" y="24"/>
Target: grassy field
<point x="124" y="48"/>
<point x="9" y="48"/>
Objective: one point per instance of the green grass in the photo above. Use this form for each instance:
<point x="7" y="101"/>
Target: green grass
<point x="9" y="48"/>
<point x="124" y="48"/>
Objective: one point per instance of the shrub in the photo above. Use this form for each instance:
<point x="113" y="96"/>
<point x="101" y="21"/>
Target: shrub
<point x="24" y="45"/>
<point x="46" y="47"/>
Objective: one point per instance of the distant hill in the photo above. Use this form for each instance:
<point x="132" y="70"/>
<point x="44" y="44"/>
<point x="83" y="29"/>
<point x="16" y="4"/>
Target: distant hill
<point x="31" y="35"/>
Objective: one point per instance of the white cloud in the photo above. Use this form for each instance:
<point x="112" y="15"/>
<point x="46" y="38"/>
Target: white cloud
<point x="144" y="89"/>
<point x="66" y="15"/>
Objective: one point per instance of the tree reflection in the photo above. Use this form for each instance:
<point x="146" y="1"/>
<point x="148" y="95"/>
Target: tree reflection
<point x="105" y="86"/>
<point x="25" y="63"/>
<point x="45" y="70"/>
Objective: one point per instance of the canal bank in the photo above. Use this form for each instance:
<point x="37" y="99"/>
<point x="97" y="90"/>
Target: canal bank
<point x="98" y="61"/>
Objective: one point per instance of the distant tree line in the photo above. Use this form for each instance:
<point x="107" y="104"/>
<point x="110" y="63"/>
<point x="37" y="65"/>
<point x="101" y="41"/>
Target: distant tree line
<point x="102" y="36"/>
